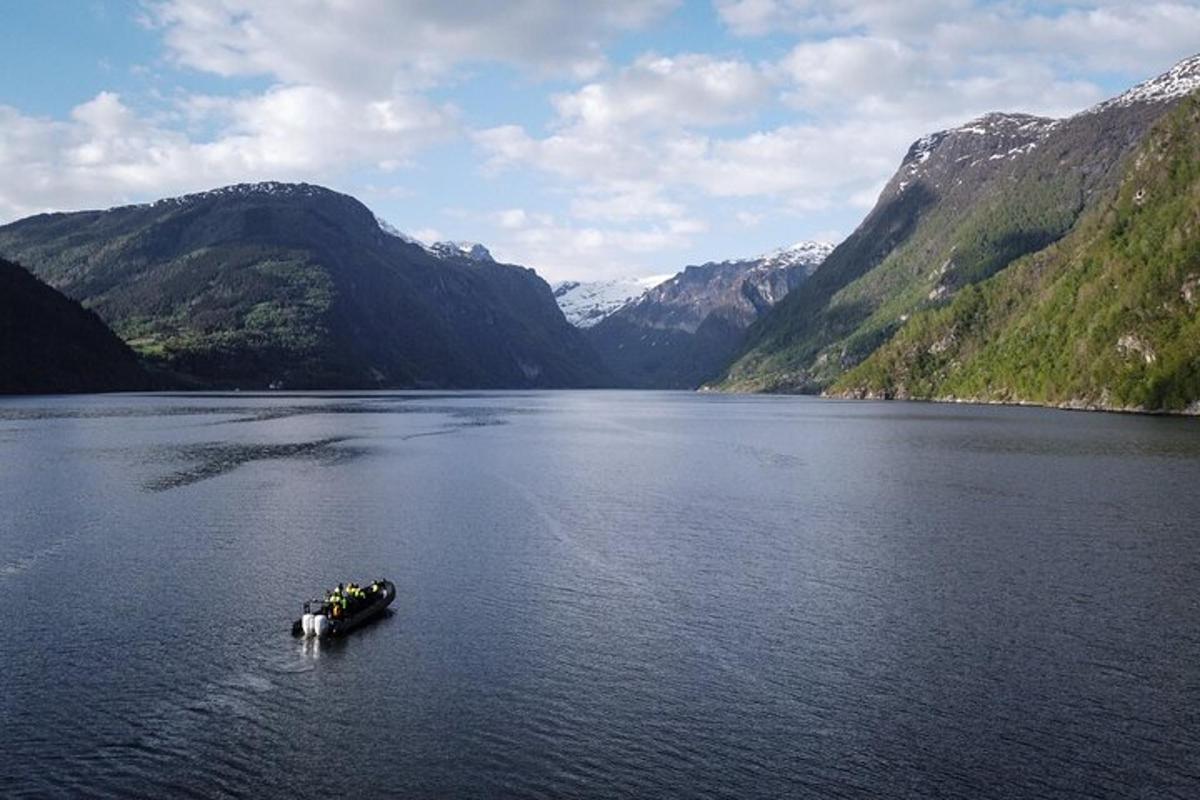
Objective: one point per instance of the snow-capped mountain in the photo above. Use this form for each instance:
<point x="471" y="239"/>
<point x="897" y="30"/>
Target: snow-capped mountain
<point x="983" y="143"/>
<point x="986" y="143"/>
<point x="678" y="333"/>
<point x="1180" y="80"/>
<point x="472" y="251"/>
<point x="739" y="289"/>
<point x="965" y="204"/>
<point x="233" y="191"/>
<point x="806" y="255"/>
<point x="584" y="303"/>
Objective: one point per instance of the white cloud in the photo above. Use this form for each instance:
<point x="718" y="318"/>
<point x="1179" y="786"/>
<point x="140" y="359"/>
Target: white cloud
<point x="878" y="77"/>
<point x="640" y="159"/>
<point x="428" y="235"/>
<point x="512" y="218"/>
<point x="106" y="153"/>
<point x="374" y="46"/>
<point x="351" y="77"/>
<point x="660" y="92"/>
<point x="307" y="128"/>
<point x="560" y="249"/>
<point x="864" y="79"/>
<point x="1115" y="35"/>
<point x="823" y="17"/>
<point x="622" y="201"/>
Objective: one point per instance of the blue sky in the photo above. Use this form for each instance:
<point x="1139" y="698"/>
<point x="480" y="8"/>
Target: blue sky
<point x="587" y="140"/>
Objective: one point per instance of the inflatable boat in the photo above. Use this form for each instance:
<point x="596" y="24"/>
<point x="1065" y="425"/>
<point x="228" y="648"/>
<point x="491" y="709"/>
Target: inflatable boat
<point x="322" y="619"/>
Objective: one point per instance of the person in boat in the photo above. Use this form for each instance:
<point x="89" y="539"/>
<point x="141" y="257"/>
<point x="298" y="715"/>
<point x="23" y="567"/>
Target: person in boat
<point x="337" y="602"/>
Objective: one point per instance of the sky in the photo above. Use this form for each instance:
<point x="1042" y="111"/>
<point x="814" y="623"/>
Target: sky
<point x="588" y="140"/>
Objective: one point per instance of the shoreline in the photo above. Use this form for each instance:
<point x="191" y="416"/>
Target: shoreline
<point x="1192" y="410"/>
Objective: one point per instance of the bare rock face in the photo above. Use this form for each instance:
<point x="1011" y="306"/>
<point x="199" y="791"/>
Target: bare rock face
<point x="683" y="330"/>
<point x="1133" y="345"/>
<point x="1190" y="292"/>
<point x="738" y="289"/>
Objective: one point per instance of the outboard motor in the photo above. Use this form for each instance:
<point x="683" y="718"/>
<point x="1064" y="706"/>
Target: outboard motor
<point x="306" y="624"/>
<point x="321" y="626"/>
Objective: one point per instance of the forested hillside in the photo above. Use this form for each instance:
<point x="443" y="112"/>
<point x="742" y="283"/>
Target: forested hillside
<point x="299" y="286"/>
<point x="50" y="344"/>
<point x="1108" y="317"/>
<point x="965" y="204"/>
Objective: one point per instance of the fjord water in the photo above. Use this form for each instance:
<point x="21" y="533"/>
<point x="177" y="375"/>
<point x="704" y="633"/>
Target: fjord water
<point x="599" y="594"/>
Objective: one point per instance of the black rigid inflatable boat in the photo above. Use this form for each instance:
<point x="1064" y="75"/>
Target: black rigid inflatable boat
<point x="319" y="619"/>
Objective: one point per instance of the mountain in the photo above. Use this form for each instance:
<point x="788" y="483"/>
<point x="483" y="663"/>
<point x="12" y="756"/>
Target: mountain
<point x="50" y="344"/>
<point x="964" y="205"/>
<point x="299" y="286"/>
<point x="584" y="303"/>
<point x="472" y="251"/>
<point x="685" y="329"/>
<point x="1108" y="317"/>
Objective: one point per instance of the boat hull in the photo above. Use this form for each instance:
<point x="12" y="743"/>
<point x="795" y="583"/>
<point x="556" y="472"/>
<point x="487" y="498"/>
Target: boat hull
<point x="366" y="614"/>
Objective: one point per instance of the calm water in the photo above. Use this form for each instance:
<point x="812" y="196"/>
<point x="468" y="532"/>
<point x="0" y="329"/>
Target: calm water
<point x="599" y="595"/>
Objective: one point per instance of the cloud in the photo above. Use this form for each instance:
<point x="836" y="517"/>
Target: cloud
<point x="350" y="91"/>
<point x="567" y="247"/>
<point x="660" y="92"/>
<point x="307" y="128"/>
<point x="559" y="250"/>
<point x="1114" y="35"/>
<point x="864" y="79"/>
<point x="428" y="235"/>
<point x="639" y="159"/>
<point x="877" y="77"/>
<point x="623" y="201"/>
<point x="107" y="153"/>
<point x="373" y="46"/>
<point x="824" y="17"/>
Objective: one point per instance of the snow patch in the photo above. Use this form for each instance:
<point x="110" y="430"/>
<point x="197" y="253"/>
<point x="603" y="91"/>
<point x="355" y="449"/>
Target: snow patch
<point x="1180" y="80"/>
<point x="809" y="254"/>
<point x="472" y="251"/>
<point x="585" y="303"/>
<point x="274" y="188"/>
<point x="392" y="230"/>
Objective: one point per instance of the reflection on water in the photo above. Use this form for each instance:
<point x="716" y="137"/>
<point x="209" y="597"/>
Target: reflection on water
<point x="248" y="407"/>
<point x="212" y="460"/>
<point x="599" y="594"/>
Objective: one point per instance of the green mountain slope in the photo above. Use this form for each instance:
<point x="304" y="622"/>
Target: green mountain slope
<point x="50" y="344"/>
<point x="964" y="205"/>
<point x="296" y="285"/>
<point x="1108" y="317"/>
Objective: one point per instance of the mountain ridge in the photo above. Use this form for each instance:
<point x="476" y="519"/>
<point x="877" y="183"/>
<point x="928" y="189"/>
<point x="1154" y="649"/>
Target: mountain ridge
<point x="51" y="344"/>
<point x="1106" y="318"/>
<point x="683" y="330"/>
<point x="299" y="285"/>
<point x="963" y="205"/>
